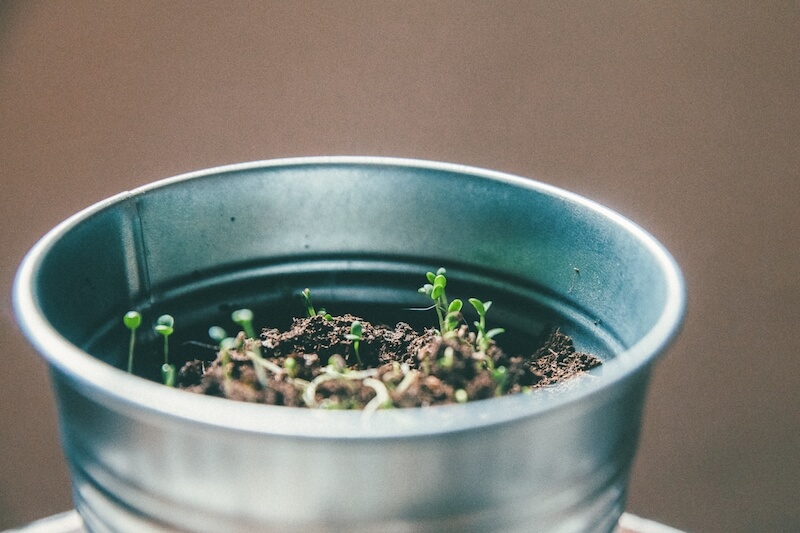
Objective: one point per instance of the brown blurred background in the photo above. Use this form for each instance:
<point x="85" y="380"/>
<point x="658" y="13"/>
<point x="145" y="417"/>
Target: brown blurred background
<point x="683" y="116"/>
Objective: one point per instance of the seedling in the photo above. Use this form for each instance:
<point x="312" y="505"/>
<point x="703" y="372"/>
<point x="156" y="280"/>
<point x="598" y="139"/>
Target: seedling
<point x="217" y="334"/>
<point x="225" y="343"/>
<point x="448" y="358"/>
<point x="500" y="376"/>
<point x="290" y="365"/>
<point x="165" y="326"/>
<point x="306" y="294"/>
<point x="244" y="318"/>
<point x="355" y="335"/>
<point x="447" y="312"/>
<point x="484" y="338"/>
<point x="132" y="320"/>
<point x="398" y="381"/>
<point x="261" y="365"/>
<point x="461" y="396"/>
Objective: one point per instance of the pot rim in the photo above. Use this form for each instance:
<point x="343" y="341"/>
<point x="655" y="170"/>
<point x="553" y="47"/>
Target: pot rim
<point x="141" y="398"/>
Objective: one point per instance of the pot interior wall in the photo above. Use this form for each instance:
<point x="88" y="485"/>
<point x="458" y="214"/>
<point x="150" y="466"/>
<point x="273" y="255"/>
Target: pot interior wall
<point x="380" y="291"/>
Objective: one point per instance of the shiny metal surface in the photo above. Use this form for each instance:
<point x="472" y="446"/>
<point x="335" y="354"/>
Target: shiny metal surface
<point x="360" y="232"/>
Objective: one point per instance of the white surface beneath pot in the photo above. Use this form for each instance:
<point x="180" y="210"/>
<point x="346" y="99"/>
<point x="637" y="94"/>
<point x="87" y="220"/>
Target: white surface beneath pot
<point x="70" y="522"/>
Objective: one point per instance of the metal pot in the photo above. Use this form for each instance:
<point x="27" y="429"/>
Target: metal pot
<point x="360" y="232"/>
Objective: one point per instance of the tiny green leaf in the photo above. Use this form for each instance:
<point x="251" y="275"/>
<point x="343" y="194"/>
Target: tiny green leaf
<point x="165" y="325"/>
<point x="290" y="364"/>
<point x="500" y="376"/>
<point x="242" y="315"/>
<point x="161" y="329"/>
<point x="437" y="291"/>
<point x="132" y="320"/>
<point x="461" y="396"/>
<point x="217" y="334"/>
<point x="306" y="294"/>
<point x="455" y="306"/>
<point x="166" y="320"/>
<point x="244" y="318"/>
<point x="451" y="321"/>
<point x="478" y="305"/>
<point x="493" y="332"/>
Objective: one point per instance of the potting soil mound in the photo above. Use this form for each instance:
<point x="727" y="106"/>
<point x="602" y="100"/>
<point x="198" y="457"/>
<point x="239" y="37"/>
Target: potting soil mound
<point x="318" y="363"/>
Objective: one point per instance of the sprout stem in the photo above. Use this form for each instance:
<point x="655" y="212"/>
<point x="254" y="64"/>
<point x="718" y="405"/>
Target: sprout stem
<point x="132" y="320"/>
<point x="355" y="335"/>
<point x="165" y="326"/>
<point x="244" y="318"/>
<point x="381" y="399"/>
<point x="168" y="374"/>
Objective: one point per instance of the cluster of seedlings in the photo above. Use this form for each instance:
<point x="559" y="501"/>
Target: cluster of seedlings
<point x="345" y="362"/>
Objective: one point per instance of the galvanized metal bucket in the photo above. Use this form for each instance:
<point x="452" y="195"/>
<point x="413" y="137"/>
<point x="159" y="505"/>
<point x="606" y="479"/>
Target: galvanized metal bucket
<point x="360" y="232"/>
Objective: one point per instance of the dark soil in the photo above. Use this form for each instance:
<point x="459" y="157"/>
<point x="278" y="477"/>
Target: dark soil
<point x="315" y="365"/>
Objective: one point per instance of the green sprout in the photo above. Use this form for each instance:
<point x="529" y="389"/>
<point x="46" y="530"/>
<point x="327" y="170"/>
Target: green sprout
<point x="461" y="396"/>
<point x="306" y="294"/>
<point x="500" y="377"/>
<point x="453" y="316"/>
<point x="447" y="312"/>
<point x="217" y="334"/>
<point x="337" y="364"/>
<point x="290" y="365"/>
<point x="484" y="338"/>
<point x="168" y="375"/>
<point x="452" y="327"/>
<point x="261" y="365"/>
<point x="225" y="343"/>
<point x="132" y="320"/>
<point x="244" y="318"/>
<point x="355" y="335"/>
<point x="165" y="325"/>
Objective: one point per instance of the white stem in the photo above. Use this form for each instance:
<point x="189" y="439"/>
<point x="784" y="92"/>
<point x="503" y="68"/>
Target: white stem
<point x="381" y="398"/>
